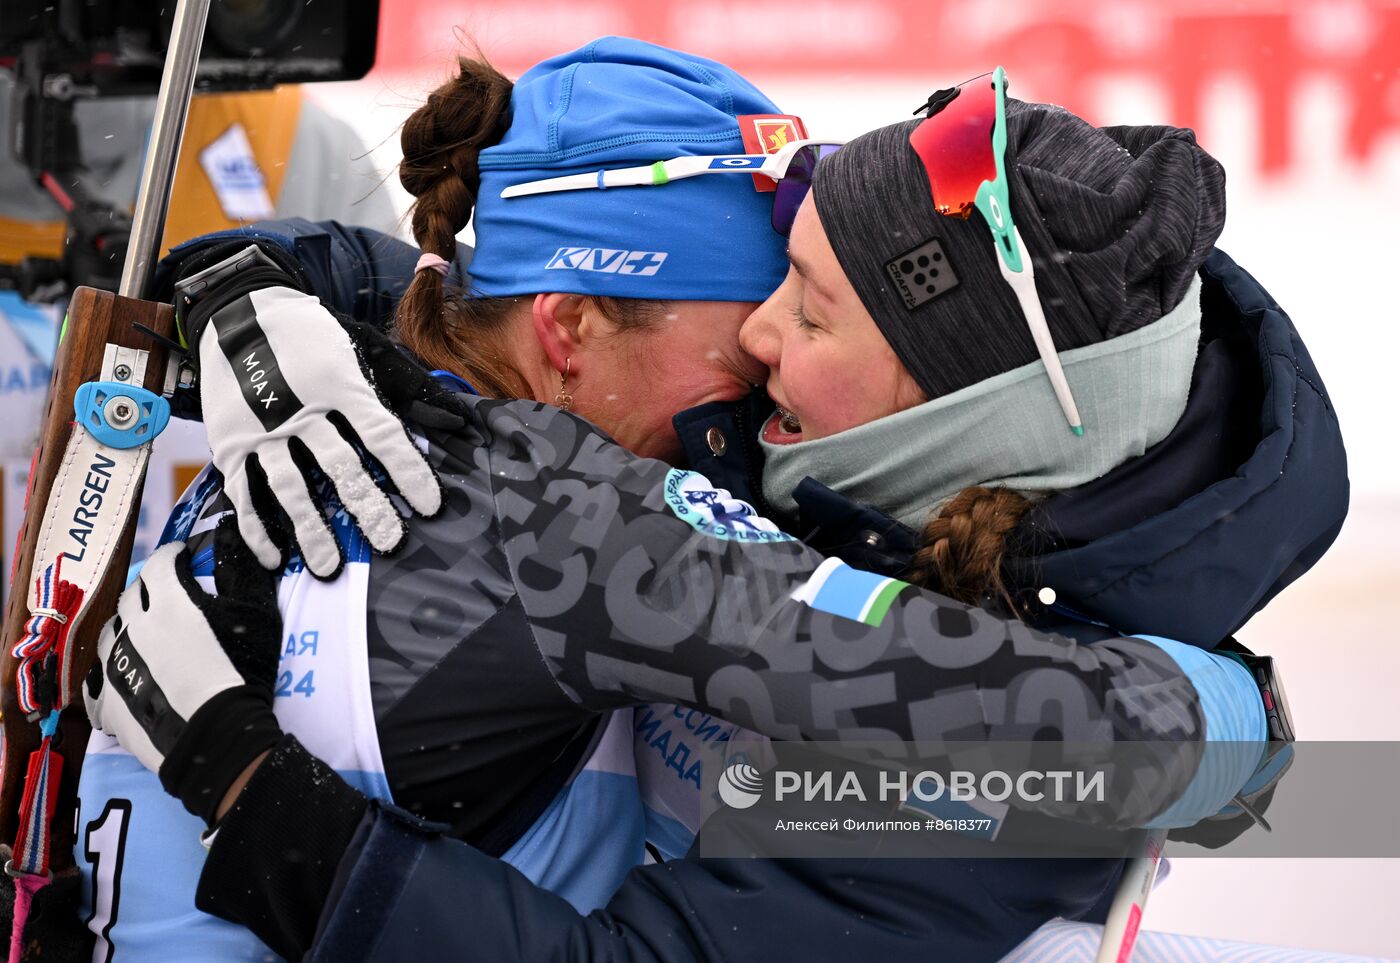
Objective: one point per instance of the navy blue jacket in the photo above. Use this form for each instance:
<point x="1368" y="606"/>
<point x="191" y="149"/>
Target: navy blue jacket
<point x="1186" y="542"/>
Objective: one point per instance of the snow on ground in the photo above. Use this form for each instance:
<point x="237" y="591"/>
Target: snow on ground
<point x="1322" y="240"/>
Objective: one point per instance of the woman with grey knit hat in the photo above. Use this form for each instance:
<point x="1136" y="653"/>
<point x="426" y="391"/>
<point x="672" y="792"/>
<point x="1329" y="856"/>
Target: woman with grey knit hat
<point x="907" y="373"/>
<point x="1160" y="458"/>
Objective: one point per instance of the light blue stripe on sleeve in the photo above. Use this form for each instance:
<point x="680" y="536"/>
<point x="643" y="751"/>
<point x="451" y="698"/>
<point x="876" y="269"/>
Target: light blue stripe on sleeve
<point x="1236" y="732"/>
<point x="846" y="591"/>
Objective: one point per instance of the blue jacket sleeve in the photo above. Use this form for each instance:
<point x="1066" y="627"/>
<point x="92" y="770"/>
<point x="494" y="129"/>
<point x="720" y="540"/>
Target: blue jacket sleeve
<point x="1236" y="733"/>
<point x="407" y="893"/>
<point x="353" y="270"/>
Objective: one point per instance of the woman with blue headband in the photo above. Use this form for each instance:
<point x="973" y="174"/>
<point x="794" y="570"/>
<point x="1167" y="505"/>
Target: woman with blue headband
<point x="565" y="494"/>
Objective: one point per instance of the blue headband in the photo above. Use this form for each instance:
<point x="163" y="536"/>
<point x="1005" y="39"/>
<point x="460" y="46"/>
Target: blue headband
<point x="620" y="103"/>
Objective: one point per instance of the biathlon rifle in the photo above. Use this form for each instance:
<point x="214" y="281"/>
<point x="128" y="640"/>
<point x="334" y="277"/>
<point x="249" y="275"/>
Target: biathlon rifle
<point x="106" y="405"/>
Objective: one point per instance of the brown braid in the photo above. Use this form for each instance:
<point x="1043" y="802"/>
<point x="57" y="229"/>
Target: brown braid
<point x="441" y="141"/>
<point x="961" y="548"/>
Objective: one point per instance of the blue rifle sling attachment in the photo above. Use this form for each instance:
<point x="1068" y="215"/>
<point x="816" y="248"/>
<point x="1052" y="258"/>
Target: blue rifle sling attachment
<point x="119" y="415"/>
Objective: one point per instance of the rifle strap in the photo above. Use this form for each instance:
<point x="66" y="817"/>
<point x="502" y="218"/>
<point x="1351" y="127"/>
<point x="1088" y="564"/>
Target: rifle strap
<point x="31" y="849"/>
<point x="96" y="490"/>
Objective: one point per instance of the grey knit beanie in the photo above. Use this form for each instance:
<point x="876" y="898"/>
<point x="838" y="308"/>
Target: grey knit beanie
<point x="1117" y="221"/>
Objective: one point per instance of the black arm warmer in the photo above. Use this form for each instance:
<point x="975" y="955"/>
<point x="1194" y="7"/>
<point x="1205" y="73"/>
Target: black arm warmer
<point x="288" y="831"/>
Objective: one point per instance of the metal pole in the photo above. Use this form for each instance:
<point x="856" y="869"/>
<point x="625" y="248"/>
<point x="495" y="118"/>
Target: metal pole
<point x="158" y="173"/>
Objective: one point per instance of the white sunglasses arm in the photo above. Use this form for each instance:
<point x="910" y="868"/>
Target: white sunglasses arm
<point x="1023" y="284"/>
<point x="625" y="177"/>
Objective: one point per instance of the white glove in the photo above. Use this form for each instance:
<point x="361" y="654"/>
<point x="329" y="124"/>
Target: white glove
<point x="281" y="387"/>
<point x="184" y="679"/>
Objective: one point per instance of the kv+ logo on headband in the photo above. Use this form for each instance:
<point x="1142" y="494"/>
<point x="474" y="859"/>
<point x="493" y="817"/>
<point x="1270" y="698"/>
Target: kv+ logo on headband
<point x="607" y="261"/>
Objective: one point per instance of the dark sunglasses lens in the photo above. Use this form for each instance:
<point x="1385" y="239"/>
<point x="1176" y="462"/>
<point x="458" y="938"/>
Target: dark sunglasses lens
<point x="786" y="200"/>
<point x="793" y="188"/>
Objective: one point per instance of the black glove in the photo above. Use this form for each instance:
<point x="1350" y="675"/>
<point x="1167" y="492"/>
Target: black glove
<point x="183" y="679"/>
<point x="408" y="388"/>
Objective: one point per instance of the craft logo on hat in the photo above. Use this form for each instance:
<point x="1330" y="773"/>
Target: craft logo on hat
<point x="923" y="273"/>
<point x="604" y="260"/>
<point x="768" y="134"/>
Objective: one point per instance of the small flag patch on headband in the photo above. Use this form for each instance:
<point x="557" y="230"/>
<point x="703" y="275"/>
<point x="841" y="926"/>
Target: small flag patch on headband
<point x="838" y="589"/>
<point x="768" y="134"/>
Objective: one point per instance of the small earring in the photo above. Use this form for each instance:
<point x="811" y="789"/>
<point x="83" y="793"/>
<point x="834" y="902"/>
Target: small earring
<point x="563" y="399"/>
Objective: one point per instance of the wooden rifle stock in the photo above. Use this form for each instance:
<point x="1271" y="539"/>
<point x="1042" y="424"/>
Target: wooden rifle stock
<point x="95" y="319"/>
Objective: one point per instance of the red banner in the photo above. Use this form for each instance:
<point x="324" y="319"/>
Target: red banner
<point x="1182" y="48"/>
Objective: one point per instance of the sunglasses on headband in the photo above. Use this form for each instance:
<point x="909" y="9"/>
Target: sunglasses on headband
<point x="961" y="143"/>
<point x="791" y="168"/>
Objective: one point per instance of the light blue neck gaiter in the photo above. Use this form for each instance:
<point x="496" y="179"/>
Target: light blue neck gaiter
<point x="1007" y="431"/>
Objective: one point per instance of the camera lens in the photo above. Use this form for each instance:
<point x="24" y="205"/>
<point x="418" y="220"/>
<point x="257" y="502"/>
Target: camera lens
<point x="253" y="27"/>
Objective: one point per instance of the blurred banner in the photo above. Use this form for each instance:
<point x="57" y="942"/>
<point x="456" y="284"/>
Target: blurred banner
<point x="1181" y="47"/>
